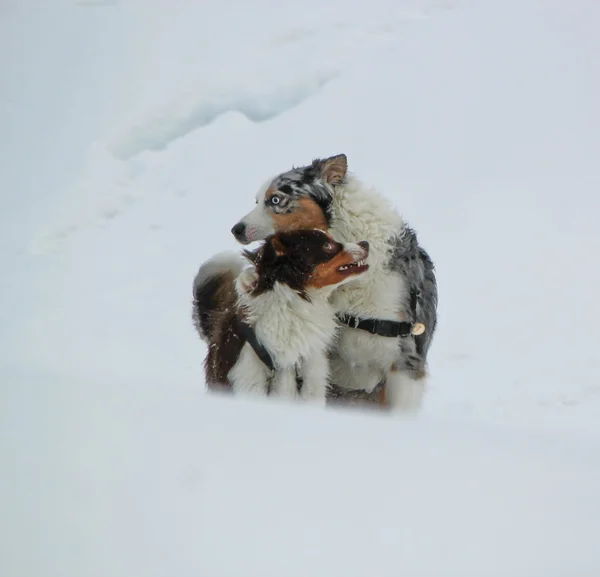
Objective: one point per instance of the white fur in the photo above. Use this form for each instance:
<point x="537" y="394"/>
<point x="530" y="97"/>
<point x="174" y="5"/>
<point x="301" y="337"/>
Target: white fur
<point x="405" y="393"/>
<point x="359" y="212"/>
<point x="221" y="263"/>
<point x="249" y="375"/>
<point x="246" y="281"/>
<point x="296" y="333"/>
<point x="258" y="223"/>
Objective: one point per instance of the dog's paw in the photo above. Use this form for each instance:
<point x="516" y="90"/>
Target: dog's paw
<point x="246" y="281"/>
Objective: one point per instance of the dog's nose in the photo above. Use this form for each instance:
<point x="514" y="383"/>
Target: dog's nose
<point x="364" y="244"/>
<point x="238" y="230"/>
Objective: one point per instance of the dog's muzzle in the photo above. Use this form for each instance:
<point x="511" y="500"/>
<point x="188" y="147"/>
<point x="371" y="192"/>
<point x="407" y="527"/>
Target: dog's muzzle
<point x="239" y="232"/>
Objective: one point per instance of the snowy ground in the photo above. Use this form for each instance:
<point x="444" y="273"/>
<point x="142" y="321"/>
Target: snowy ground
<point x="134" y="135"/>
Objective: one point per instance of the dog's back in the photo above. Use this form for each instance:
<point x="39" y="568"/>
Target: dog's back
<point x="214" y="291"/>
<point x="215" y="312"/>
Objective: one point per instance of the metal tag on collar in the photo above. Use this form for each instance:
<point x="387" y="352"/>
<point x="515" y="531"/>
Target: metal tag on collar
<point x="417" y="329"/>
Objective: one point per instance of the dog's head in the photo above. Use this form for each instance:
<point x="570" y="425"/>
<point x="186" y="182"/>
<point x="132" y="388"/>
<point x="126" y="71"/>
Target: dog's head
<point x="306" y="260"/>
<point x="297" y="199"/>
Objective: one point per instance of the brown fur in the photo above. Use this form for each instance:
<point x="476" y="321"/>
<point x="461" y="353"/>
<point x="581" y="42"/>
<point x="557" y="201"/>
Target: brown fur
<point x="224" y="348"/>
<point x="382" y="397"/>
<point x="225" y="292"/>
<point x="340" y="396"/>
<point x="327" y="273"/>
<point x="307" y="215"/>
<point x="219" y="325"/>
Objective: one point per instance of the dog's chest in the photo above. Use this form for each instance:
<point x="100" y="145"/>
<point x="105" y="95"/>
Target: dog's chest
<point x="378" y="294"/>
<point x="296" y="332"/>
<point x="361" y="348"/>
<point x="361" y="360"/>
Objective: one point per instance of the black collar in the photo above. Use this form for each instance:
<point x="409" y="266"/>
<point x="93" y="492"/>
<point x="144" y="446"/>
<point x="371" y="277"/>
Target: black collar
<point x="248" y="334"/>
<point x="382" y="328"/>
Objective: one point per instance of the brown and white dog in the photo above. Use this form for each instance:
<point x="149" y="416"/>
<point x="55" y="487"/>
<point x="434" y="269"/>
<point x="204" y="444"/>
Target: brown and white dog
<point x="379" y="309"/>
<point x="269" y="328"/>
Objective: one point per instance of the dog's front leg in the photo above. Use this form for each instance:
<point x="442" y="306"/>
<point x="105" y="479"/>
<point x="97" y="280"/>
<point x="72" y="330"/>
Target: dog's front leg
<point x="249" y="375"/>
<point x="314" y="378"/>
<point x="405" y="390"/>
<point x="284" y="384"/>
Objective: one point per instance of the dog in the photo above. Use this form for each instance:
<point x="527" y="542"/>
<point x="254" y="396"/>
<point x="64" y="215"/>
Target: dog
<point x="380" y="310"/>
<point x="269" y="327"/>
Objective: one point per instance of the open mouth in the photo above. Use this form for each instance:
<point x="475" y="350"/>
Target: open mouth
<point x="353" y="267"/>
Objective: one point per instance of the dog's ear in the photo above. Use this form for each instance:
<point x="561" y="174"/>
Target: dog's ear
<point x="270" y="250"/>
<point x="333" y="169"/>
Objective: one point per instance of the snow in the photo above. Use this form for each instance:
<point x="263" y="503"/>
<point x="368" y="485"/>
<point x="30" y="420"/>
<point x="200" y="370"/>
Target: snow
<point x="134" y="135"/>
<point x="133" y="481"/>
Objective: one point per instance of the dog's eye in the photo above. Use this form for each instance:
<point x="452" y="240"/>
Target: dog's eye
<point x="275" y="200"/>
<point x="328" y="246"/>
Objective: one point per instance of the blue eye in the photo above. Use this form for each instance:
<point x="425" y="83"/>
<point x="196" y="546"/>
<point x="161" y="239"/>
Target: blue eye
<point x="275" y="200"/>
